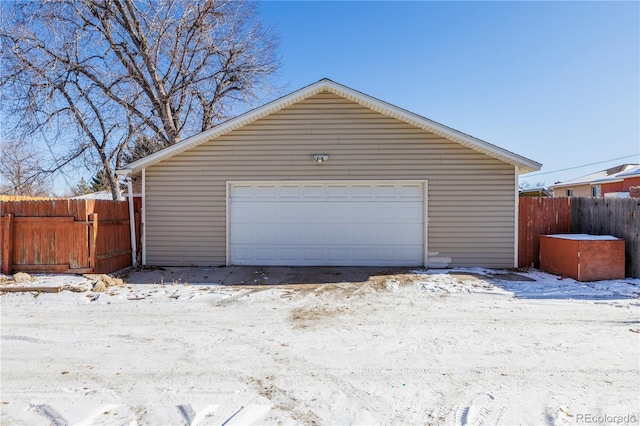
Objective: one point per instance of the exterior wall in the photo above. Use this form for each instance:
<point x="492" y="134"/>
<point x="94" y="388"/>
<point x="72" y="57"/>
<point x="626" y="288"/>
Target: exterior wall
<point x="582" y="190"/>
<point x="629" y="182"/>
<point x="471" y="197"/>
<point x="611" y="187"/>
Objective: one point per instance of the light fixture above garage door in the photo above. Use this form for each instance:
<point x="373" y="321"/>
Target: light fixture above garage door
<point x="320" y="158"/>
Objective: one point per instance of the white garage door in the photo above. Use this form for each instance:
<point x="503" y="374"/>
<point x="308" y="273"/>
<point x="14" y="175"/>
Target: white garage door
<point x="326" y="223"/>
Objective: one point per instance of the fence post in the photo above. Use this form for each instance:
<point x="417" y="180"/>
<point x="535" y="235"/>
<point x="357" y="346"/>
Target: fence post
<point x="7" y="245"/>
<point x="93" y="237"/>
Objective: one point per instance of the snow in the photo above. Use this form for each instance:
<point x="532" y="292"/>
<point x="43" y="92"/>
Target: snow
<point x="464" y="346"/>
<point x="584" y="237"/>
<point x="634" y="171"/>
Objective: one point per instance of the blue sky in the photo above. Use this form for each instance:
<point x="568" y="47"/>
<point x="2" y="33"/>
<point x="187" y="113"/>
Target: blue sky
<point x="557" y="82"/>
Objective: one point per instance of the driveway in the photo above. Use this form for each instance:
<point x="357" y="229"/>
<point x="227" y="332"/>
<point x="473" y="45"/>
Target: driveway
<point x="282" y="275"/>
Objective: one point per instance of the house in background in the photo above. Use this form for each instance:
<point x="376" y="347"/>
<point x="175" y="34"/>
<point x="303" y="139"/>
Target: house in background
<point x="614" y="181"/>
<point x="98" y="195"/>
<point x="330" y="176"/>
<point x="630" y="182"/>
<point x="106" y="194"/>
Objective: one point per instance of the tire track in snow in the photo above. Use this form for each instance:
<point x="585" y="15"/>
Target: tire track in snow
<point x="288" y="370"/>
<point x="482" y="409"/>
<point x="23" y="338"/>
<point x="281" y="399"/>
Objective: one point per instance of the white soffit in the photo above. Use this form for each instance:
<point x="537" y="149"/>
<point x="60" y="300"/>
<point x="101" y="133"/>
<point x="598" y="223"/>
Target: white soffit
<point x="524" y="165"/>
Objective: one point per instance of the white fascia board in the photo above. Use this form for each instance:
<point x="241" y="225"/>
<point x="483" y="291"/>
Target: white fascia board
<point x="612" y="180"/>
<point x="524" y="165"/>
<point x="123" y="172"/>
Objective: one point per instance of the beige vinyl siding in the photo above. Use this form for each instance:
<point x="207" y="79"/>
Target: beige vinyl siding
<point x="471" y="196"/>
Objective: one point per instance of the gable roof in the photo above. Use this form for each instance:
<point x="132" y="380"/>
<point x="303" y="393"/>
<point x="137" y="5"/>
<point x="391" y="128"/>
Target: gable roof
<point x="524" y="165"/>
<point x="612" y="174"/>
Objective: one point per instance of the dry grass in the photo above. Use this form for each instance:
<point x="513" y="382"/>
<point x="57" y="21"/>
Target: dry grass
<point x="304" y="317"/>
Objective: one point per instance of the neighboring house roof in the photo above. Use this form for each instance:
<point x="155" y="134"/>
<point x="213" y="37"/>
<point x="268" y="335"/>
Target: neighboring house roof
<point x="632" y="172"/>
<point x="535" y="192"/>
<point x="609" y="175"/>
<point x="524" y="165"/>
<point x="100" y="195"/>
<point x="629" y="171"/>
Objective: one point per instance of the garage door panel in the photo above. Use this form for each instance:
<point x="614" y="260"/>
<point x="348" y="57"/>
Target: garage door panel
<point x="363" y="234"/>
<point x="312" y="256"/>
<point x="266" y="254"/>
<point x="398" y="237"/>
<point x="339" y="234"/>
<point x="413" y="214"/>
<point x="290" y="254"/>
<point x="362" y="254"/>
<point x="387" y="213"/>
<point x="363" y="223"/>
<point x="410" y="254"/>
<point x="314" y="234"/>
<point x="242" y="234"/>
<point x="288" y="234"/>
<point x="335" y="255"/>
<point x="334" y="213"/>
<point x="266" y="234"/>
<point x="386" y="255"/>
<point x="242" y="215"/>
<point x="242" y="254"/>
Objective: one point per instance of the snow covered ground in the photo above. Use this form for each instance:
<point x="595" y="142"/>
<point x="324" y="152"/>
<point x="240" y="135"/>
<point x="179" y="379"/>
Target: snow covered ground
<point x="430" y="347"/>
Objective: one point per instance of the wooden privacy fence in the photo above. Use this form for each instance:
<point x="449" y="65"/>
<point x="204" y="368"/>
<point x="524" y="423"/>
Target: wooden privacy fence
<point x="619" y="217"/>
<point x="73" y="236"/>
<point x="540" y="216"/>
<point x="25" y="198"/>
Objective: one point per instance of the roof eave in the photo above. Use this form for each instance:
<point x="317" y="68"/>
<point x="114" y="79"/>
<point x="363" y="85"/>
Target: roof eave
<point x="601" y="181"/>
<point x="563" y="185"/>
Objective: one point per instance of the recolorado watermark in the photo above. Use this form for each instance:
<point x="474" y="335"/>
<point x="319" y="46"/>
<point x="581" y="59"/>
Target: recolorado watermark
<point x="626" y="419"/>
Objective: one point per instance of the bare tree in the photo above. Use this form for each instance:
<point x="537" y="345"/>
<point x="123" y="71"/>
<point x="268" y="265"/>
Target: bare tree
<point x="20" y="170"/>
<point x="97" y="74"/>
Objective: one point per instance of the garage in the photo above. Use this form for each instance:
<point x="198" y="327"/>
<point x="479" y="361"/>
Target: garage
<point x="328" y="175"/>
<point x="339" y="223"/>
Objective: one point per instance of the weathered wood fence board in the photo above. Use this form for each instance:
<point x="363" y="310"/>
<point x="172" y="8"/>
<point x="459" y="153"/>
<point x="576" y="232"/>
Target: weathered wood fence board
<point x="75" y="236"/>
<point x="540" y="216"/>
<point x="619" y="217"/>
<point x="113" y="231"/>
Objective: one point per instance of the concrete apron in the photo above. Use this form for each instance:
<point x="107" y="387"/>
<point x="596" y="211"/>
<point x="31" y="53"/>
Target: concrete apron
<point x="262" y="275"/>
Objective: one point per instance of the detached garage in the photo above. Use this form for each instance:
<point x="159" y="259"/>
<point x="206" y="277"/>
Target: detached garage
<point x="329" y="176"/>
